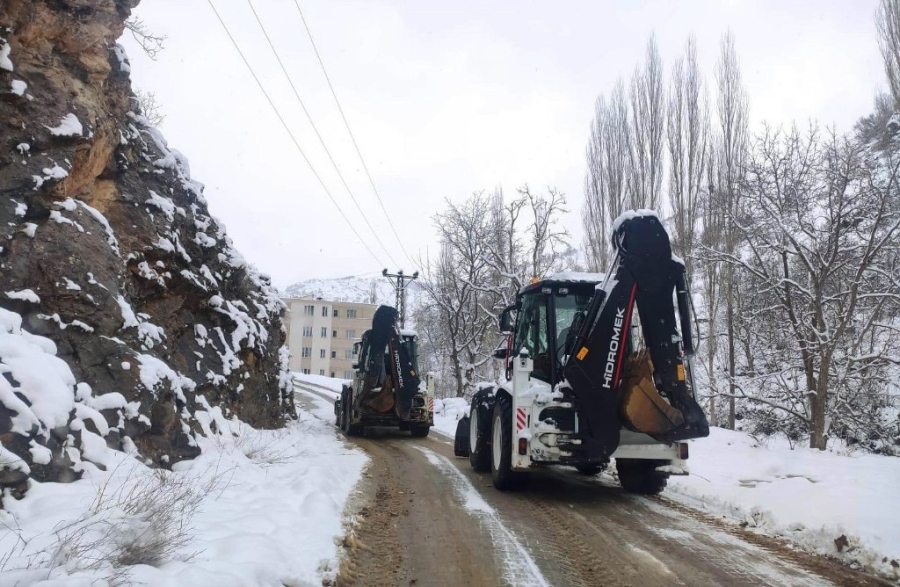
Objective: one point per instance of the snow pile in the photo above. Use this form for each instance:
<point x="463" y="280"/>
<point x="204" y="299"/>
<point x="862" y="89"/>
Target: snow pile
<point x="5" y="50"/>
<point x="447" y="412"/>
<point x="256" y="508"/>
<point x="43" y="407"/>
<point x="69" y="126"/>
<point x="807" y="496"/>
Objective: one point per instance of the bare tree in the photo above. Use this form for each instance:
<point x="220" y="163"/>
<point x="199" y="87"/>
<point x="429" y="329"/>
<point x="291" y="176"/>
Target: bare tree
<point x="648" y="128"/>
<point x="546" y="241"/>
<point x="688" y="131"/>
<point x="149" y="106"/>
<point x="608" y="156"/>
<point x="713" y="222"/>
<point x="733" y="117"/>
<point x="151" y="43"/>
<point x="452" y="286"/>
<point x="887" y="23"/>
<point x="819" y="246"/>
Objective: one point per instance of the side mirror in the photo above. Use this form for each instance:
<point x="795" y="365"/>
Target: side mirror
<point x="506" y="321"/>
<point x="355" y="366"/>
<point x="501" y="353"/>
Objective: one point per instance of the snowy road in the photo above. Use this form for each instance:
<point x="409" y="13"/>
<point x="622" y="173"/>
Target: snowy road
<point x="428" y="519"/>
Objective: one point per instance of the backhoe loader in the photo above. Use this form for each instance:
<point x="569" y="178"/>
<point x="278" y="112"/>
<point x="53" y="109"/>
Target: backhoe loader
<point x="597" y="368"/>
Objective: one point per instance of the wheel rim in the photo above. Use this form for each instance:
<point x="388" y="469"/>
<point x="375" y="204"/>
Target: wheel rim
<point x="497" y="444"/>
<point x="473" y="430"/>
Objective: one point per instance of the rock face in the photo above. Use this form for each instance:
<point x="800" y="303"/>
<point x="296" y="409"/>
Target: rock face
<point x="110" y="260"/>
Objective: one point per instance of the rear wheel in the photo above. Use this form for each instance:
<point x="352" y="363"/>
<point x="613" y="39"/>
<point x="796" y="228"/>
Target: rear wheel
<point x="419" y="431"/>
<point x="640" y="476"/>
<point x="501" y="448"/>
<point x="479" y="431"/>
<point x="347" y="415"/>
<point x="461" y="439"/>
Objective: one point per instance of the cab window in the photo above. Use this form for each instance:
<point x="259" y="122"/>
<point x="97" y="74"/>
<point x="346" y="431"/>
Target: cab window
<point x="532" y="333"/>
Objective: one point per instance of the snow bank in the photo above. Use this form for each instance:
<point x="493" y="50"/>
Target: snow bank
<point x="44" y="381"/>
<point x="321" y="383"/>
<point x="447" y="412"/>
<point x="807" y="496"/>
<point x="268" y="512"/>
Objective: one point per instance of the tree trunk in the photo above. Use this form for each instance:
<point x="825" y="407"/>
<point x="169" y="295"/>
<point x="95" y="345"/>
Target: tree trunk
<point x="731" y="354"/>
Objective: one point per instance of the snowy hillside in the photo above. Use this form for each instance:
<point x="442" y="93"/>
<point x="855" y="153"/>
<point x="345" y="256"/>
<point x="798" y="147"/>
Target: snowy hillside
<point x="367" y="290"/>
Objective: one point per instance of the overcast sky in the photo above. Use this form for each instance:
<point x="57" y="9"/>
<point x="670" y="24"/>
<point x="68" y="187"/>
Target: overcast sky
<point x="449" y="98"/>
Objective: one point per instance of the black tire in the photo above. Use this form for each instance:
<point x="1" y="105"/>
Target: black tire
<point x="479" y="435"/>
<point x="461" y="439"/>
<point x="419" y="431"/>
<point x="501" y="469"/>
<point x="348" y="428"/>
<point x="589" y="470"/>
<point x="640" y="476"/>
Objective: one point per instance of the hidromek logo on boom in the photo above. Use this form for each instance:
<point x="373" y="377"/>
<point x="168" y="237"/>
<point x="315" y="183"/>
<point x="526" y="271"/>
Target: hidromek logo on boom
<point x="613" y="347"/>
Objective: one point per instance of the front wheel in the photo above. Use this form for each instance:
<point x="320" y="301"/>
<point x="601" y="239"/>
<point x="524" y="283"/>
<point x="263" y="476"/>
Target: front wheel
<point x="501" y="448"/>
<point x="461" y="439"/>
<point x="640" y="476"/>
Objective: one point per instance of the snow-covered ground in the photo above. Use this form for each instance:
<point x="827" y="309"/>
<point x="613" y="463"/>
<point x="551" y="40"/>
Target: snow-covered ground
<point x="258" y="507"/>
<point x="810" y="497"/>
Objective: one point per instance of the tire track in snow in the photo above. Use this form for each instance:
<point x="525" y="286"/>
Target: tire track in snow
<point x="520" y="569"/>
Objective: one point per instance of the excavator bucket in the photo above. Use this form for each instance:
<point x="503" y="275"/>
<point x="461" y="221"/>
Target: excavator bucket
<point x="642" y="409"/>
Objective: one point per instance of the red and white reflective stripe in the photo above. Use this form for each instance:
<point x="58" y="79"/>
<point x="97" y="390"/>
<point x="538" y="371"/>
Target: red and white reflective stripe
<point x="431" y="404"/>
<point x="521" y="418"/>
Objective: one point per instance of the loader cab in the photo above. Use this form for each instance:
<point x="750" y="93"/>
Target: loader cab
<point x="549" y="315"/>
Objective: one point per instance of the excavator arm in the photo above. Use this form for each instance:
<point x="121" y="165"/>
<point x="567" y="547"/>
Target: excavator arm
<point x="613" y="384"/>
<point x="389" y="368"/>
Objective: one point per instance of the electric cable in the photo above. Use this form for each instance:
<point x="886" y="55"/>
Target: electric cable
<point x="316" y="130"/>
<point x="291" y="134"/>
<point x="350" y="132"/>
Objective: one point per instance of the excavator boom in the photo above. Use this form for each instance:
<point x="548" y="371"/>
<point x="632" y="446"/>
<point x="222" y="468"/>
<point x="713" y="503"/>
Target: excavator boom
<point x="611" y="383"/>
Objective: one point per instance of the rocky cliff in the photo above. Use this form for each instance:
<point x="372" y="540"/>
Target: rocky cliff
<point x="125" y="312"/>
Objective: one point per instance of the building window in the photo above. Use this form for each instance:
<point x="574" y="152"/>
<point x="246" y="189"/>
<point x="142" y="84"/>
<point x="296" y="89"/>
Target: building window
<point x="351" y="313"/>
<point x="335" y="313"/>
<point x="348" y="374"/>
<point x="334" y="333"/>
<point x="321" y="371"/>
<point x="307" y="331"/>
<point x="321" y="353"/>
<point x="308" y="310"/>
<point x="332" y="373"/>
<point x="333" y="356"/>
<point x="306" y="371"/>
<point x="325" y="311"/>
<point x="351" y="334"/>
<point x="348" y="353"/>
<point x="306" y="353"/>
<point x="324" y="332"/>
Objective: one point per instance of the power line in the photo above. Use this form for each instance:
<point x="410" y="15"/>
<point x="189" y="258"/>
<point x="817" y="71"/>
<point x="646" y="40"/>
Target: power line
<point x="316" y="130"/>
<point x="350" y="132"/>
<point x="291" y="134"/>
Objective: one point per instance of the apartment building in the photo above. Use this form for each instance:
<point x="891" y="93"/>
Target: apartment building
<point x="321" y="334"/>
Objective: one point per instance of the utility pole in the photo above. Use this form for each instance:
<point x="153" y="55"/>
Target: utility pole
<point x="398" y="280"/>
